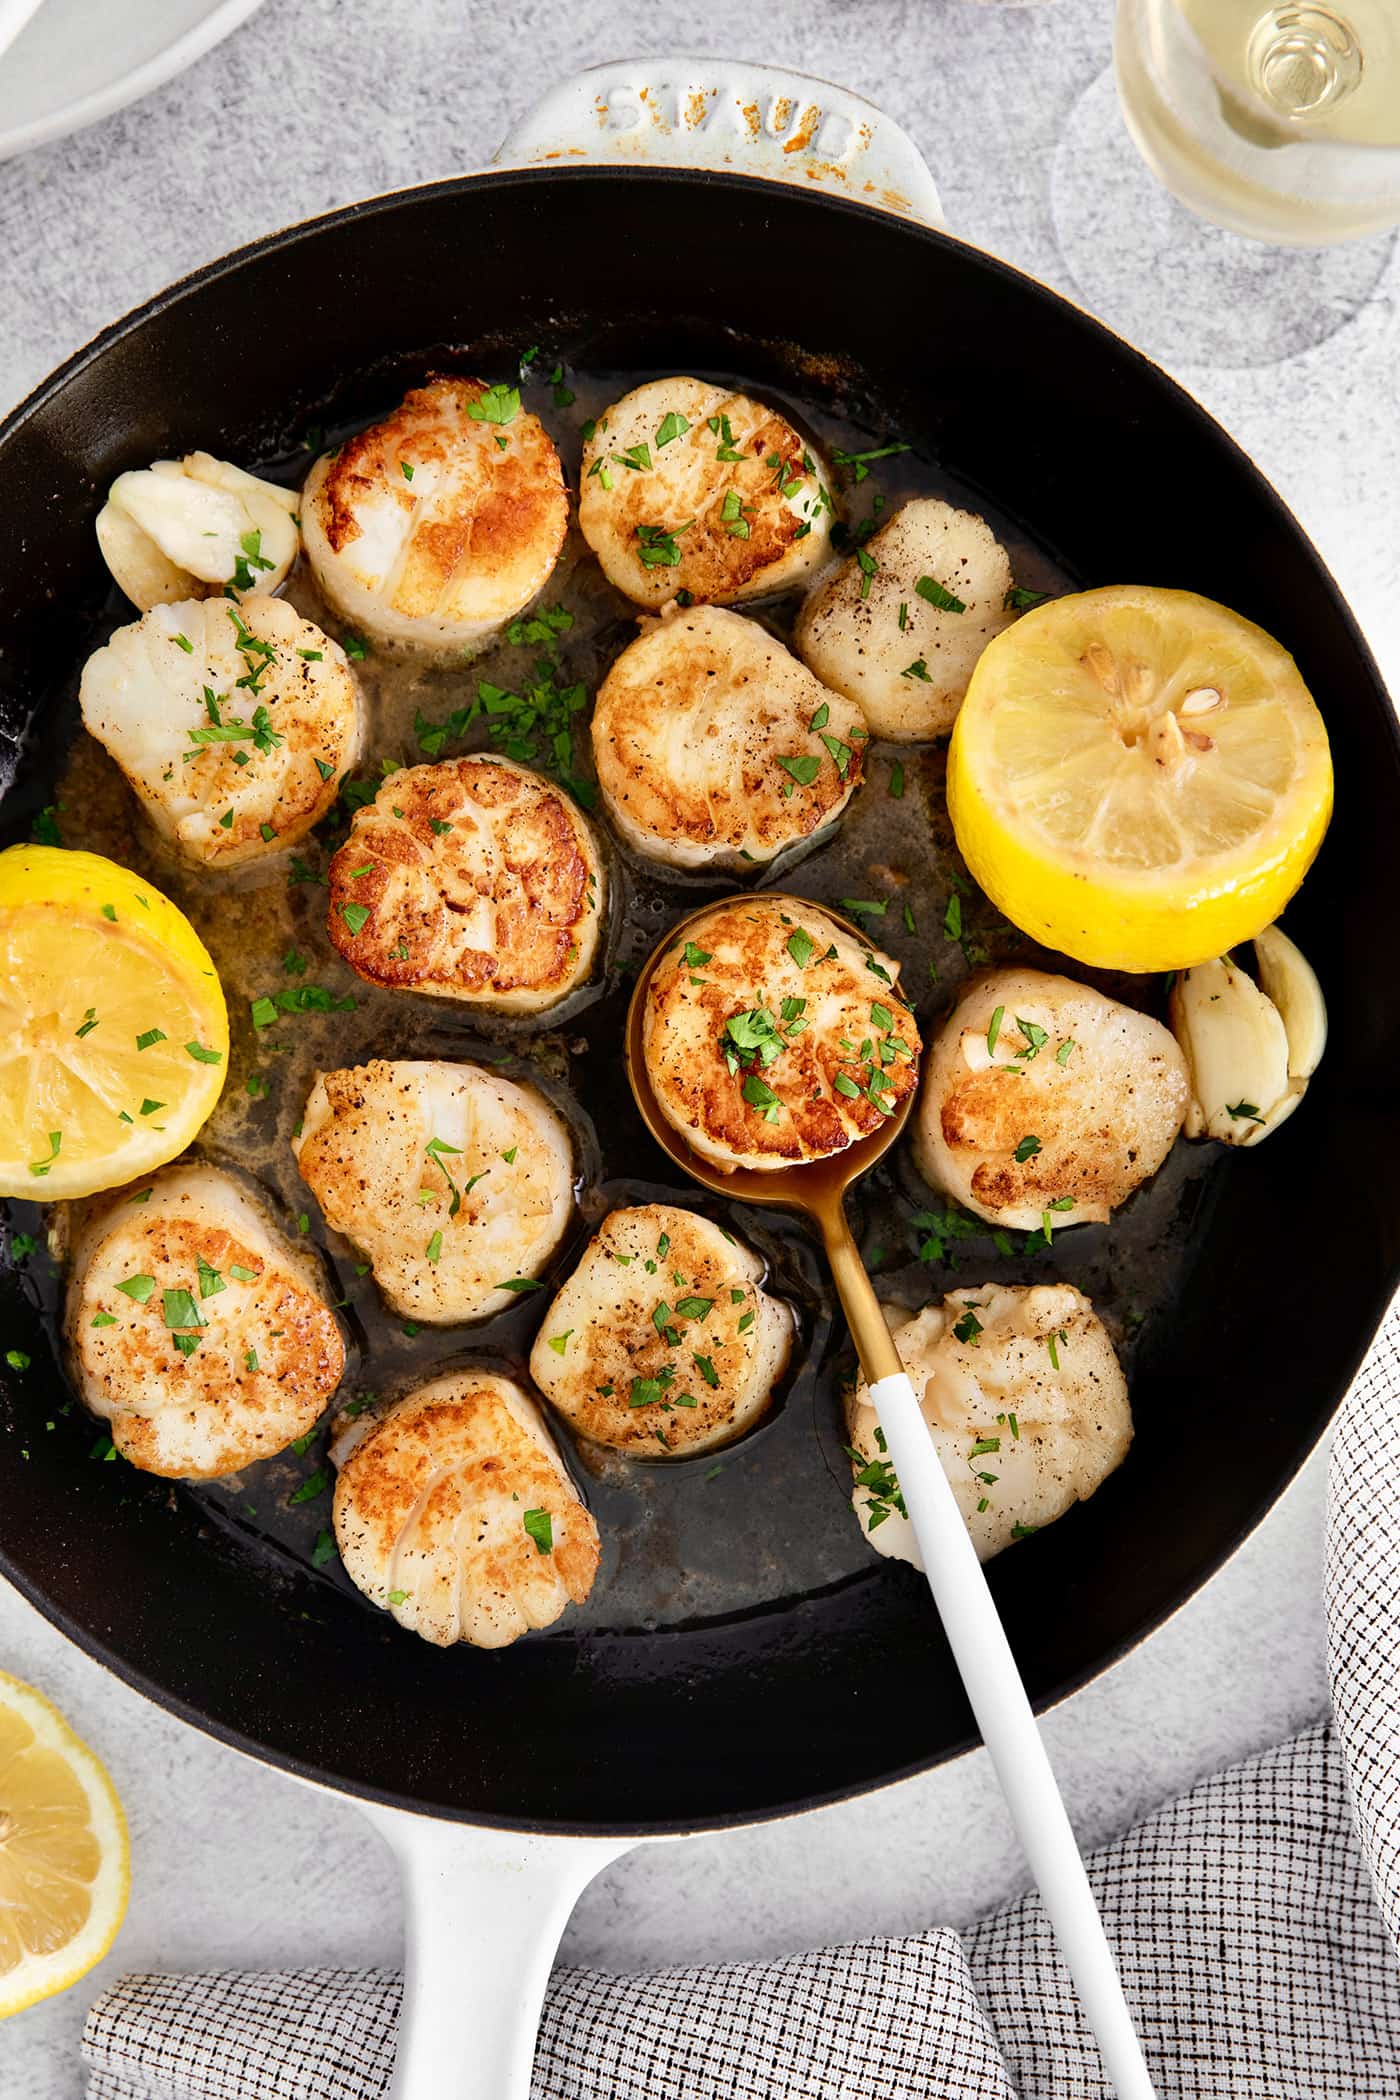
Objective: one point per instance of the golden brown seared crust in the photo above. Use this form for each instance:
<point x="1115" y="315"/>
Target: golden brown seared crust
<point x="1094" y="1106"/>
<point x="662" y="1342"/>
<point x="850" y="1036"/>
<point x="500" y="905"/>
<point x="690" y="731"/>
<point x="687" y="484"/>
<point x="443" y="1228"/>
<point x="266" y="1362"/>
<point x="503" y="508"/>
<point x="429" y="1515"/>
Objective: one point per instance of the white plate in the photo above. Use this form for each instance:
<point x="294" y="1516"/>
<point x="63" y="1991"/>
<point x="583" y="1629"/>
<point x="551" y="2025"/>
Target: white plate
<point x="76" y="62"/>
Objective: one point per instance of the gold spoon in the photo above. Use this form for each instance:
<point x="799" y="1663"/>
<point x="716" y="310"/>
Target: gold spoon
<point x="970" y="1618"/>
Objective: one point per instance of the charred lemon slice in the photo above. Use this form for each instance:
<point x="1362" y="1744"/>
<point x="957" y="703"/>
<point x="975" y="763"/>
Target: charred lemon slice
<point x="113" y="1030"/>
<point x="1138" y="778"/>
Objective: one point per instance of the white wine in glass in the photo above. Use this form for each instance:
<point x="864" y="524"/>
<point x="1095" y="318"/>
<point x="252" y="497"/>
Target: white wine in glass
<point x="1281" y="122"/>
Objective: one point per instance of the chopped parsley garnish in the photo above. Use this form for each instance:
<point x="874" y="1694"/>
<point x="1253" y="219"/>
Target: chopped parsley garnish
<point x="1019" y="599"/>
<point x="934" y="594"/>
<point x="861" y="460"/>
<point x="434" y="1247"/>
<point x="519" y="1283"/>
<point x="17" y="1359"/>
<point x="877" y="1477"/>
<point x="1026" y="1149"/>
<point x="1244" y="1111"/>
<point x="918" y="669"/>
<point x="540" y="1527"/>
<point x="202" y="1056"/>
<point x="1036" y="1038"/>
<point x="435" y="1148"/>
<point x="800" y="946"/>
<point x="658" y="546"/>
<point x="252" y="557"/>
<point x="1062" y="1055"/>
<point x="868" y="567"/>
<point x="897" y="781"/>
<point x="355" y="916"/>
<point x="40" y="1167"/>
<point x="841" y="754"/>
<point x="310" y="1488"/>
<point x="670" y="427"/>
<point x="497" y="404"/>
<point x="706" y="1369"/>
<point x="804" y="768"/>
<point x="560" y="1342"/>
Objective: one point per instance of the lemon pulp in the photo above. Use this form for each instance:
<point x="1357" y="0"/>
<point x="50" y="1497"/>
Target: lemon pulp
<point x="1138" y="778"/>
<point x="113" y="1029"/>
<point x="64" y="1872"/>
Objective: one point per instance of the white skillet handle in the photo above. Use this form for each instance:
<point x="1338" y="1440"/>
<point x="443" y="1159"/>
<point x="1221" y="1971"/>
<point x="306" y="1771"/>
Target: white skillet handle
<point x="714" y="113"/>
<point x="484" y="1911"/>
<point x="1003" y="1712"/>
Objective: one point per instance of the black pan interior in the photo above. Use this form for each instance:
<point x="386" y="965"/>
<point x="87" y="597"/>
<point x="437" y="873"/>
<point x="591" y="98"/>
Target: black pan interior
<point x="1265" y="1278"/>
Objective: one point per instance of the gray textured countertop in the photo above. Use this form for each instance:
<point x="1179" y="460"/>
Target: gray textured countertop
<point x="315" y="102"/>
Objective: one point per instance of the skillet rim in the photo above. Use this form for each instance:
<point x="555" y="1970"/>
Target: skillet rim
<point x="1183" y="406"/>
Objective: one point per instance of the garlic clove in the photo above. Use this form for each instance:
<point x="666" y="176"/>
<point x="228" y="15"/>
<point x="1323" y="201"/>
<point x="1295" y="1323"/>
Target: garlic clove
<point x="1288" y="978"/>
<point x="180" y="529"/>
<point x="1236" y="1047"/>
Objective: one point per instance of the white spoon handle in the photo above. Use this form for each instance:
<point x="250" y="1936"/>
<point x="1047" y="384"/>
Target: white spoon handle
<point x="1003" y="1713"/>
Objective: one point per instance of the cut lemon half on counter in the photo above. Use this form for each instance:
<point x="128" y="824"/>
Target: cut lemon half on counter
<point x="1138" y="778"/>
<point x="113" y="1029"/>
<point x="64" y="1865"/>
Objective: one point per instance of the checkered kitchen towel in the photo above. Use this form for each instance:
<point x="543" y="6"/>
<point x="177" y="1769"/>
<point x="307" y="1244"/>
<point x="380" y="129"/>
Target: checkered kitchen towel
<point x="1256" y="1957"/>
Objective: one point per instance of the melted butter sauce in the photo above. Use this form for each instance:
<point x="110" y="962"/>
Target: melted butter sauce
<point x="768" y="1519"/>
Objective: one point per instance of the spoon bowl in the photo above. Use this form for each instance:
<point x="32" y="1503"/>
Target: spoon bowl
<point x="970" y="1618"/>
<point x="816" y="1190"/>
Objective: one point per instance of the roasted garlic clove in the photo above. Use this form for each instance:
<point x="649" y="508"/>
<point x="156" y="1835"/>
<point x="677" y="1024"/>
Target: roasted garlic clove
<point x="1288" y="978"/>
<point x="183" y="528"/>
<point x="1251" y="1048"/>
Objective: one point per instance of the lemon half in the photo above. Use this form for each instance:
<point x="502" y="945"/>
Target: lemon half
<point x="113" y="1029"/>
<point x="1138" y="778"/>
<point x="64" y="1863"/>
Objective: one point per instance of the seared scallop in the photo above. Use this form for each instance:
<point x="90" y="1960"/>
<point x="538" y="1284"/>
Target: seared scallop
<point x="472" y="879"/>
<point x="454" y="1182"/>
<point x="454" y="1511"/>
<point x="898" y="628"/>
<point x="716" y="748"/>
<point x="430" y="530"/>
<point x="773" y="1034"/>
<point x="233" y="723"/>
<point x="1025" y="1401"/>
<point x="663" y="1341"/>
<point x="1043" y="1099"/>
<point x="196" y="1329"/>
<point x="187" y="528"/>
<point x="689" y="487"/>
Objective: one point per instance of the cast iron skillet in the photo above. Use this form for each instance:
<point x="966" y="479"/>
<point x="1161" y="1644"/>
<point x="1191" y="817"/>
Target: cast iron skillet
<point x="1297" y="1252"/>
